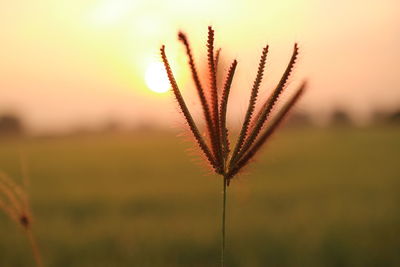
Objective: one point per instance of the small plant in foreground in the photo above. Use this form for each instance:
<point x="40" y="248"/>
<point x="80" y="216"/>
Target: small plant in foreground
<point x="15" y="203"/>
<point x="256" y="128"/>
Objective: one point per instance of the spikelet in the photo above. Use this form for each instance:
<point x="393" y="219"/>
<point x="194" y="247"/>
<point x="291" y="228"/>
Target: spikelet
<point x="200" y="91"/>
<point x="216" y="60"/>
<point x="223" y="109"/>
<point x="251" y="106"/>
<point x="267" y="107"/>
<point x="14" y="201"/>
<point x="268" y="132"/>
<point x="216" y="143"/>
<point x="8" y="210"/>
<point x="193" y="128"/>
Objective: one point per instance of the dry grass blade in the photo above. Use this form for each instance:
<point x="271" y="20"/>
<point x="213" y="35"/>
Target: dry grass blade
<point x="252" y="103"/>
<point x="188" y="117"/>
<point x="7" y="189"/>
<point x="182" y="37"/>
<point x="262" y="116"/>
<point x="19" y="192"/>
<point x="8" y="210"/>
<point x="269" y="131"/>
<point x="223" y="109"/>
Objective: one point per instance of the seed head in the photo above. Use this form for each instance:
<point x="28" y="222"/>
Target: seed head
<point x="253" y="134"/>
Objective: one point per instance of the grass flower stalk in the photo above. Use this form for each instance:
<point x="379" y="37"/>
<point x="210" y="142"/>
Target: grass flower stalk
<point x="14" y="202"/>
<point x="256" y="128"/>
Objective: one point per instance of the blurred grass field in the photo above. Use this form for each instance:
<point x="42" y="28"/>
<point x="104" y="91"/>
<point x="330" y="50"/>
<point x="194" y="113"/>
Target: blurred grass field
<point x="315" y="197"/>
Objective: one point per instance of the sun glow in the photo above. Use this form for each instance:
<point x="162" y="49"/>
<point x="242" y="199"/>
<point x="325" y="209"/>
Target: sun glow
<point x="156" y="78"/>
<point x="110" y="12"/>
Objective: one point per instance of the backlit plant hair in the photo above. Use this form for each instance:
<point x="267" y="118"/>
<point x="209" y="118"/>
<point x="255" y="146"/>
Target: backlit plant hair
<point x="256" y="128"/>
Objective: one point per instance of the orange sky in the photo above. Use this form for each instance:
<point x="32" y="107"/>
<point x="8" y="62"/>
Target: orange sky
<point x="81" y="62"/>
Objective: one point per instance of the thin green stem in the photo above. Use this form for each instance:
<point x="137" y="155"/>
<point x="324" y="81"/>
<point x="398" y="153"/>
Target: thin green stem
<point x="225" y="180"/>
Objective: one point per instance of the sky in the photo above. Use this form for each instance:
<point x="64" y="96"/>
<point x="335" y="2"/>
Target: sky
<point x="82" y="63"/>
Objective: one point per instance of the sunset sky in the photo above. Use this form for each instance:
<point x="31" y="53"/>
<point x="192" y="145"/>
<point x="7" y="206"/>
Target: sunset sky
<point x="82" y="62"/>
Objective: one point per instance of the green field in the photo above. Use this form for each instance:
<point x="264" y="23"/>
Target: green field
<point x="315" y="197"/>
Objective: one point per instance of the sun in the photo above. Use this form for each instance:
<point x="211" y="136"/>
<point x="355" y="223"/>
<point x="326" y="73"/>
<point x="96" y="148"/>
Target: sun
<point x="156" y="77"/>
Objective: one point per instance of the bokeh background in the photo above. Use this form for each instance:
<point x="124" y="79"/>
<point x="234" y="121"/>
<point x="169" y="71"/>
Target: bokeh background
<point x="82" y="105"/>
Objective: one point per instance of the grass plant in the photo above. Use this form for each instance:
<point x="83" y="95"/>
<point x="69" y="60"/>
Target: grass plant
<point x="256" y="128"/>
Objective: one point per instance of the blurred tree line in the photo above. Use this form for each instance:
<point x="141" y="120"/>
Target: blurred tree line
<point x="12" y="124"/>
<point x="341" y="117"/>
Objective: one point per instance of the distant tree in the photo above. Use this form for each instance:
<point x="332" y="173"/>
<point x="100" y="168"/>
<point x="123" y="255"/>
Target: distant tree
<point x="10" y="124"/>
<point x="111" y="126"/>
<point x="379" y="116"/>
<point x="394" y="117"/>
<point x="298" y="119"/>
<point x="340" y="117"/>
